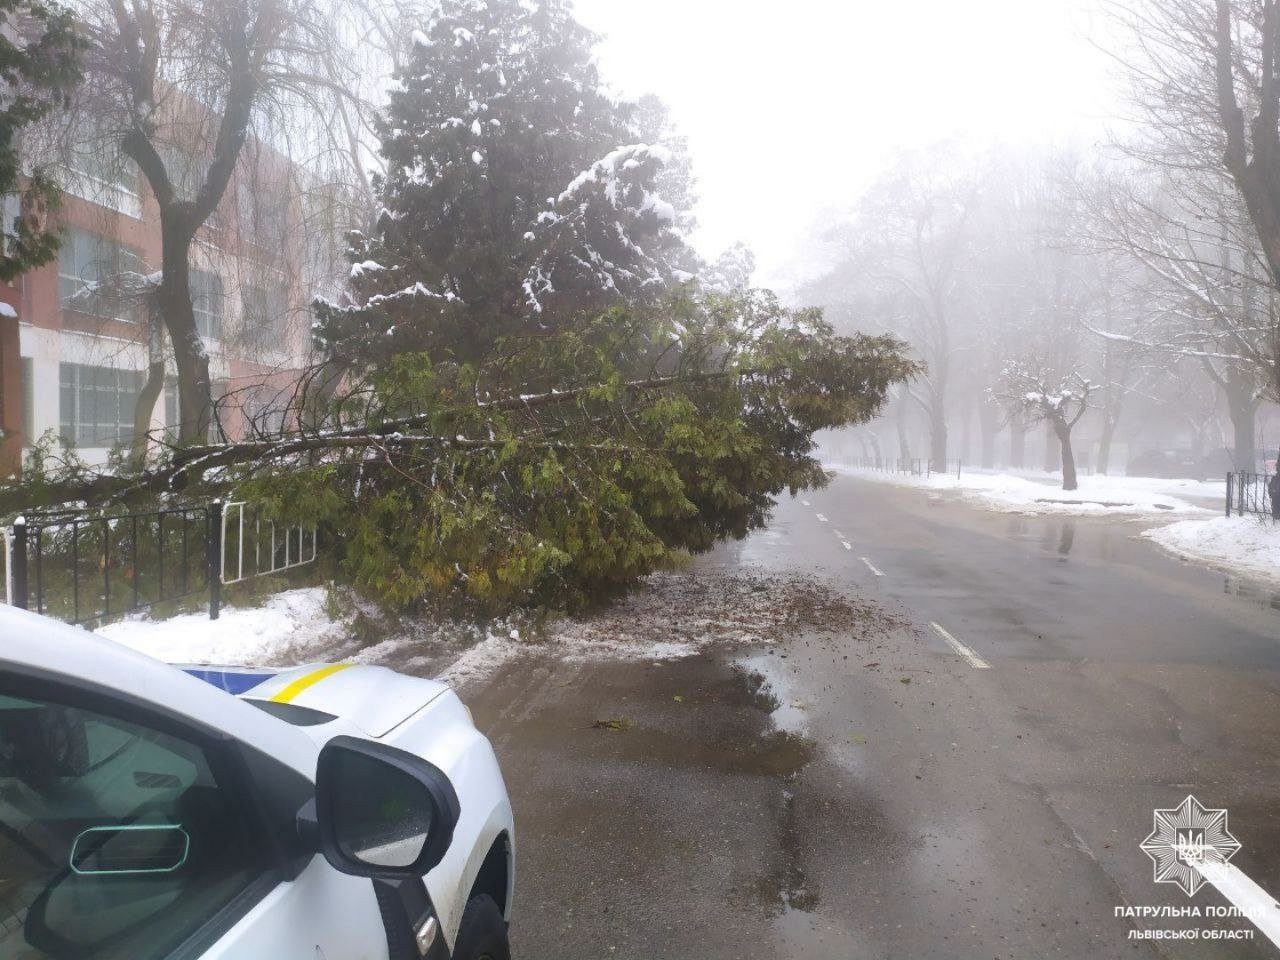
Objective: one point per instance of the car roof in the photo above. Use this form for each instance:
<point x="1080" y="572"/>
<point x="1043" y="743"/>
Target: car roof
<point x="37" y="644"/>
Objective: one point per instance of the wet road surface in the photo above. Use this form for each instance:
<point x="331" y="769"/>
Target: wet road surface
<point x="885" y="795"/>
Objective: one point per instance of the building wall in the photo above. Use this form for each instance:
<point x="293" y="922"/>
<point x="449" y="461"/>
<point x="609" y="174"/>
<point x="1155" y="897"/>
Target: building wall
<point x="51" y="335"/>
<point x="11" y="433"/>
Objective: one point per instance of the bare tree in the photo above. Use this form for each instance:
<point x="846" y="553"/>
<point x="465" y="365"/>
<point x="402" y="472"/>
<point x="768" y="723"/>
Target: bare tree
<point x="1041" y="394"/>
<point x="181" y="88"/>
<point x="1207" y="90"/>
<point x="908" y="247"/>
<point x="1208" y="294"/>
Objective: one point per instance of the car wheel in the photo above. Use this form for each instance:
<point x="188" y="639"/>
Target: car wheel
<point x="482" y="935"/>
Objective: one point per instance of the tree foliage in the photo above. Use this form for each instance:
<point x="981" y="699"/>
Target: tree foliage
<point x="657" y="433"/>
<point x="40" y="64"/>
<point x="516" y="192"/>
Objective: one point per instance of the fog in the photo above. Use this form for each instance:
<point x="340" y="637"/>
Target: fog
<point x="790" y="115"/>
<point x="1031" y="195"/>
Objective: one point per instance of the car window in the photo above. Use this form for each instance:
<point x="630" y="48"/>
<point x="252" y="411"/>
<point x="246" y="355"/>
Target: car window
<point x="117" y="841"/>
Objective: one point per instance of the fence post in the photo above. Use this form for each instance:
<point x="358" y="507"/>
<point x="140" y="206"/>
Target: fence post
<point x="1229" y="494"/>
<point x="214" y="559"/>
<point x="958" y="463"/>
<point x="19" y="560"/>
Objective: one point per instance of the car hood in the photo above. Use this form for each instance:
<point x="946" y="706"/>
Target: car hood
<point x="374" y="699"/>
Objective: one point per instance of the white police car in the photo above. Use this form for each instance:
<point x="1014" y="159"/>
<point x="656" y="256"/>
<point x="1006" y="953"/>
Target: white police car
<point x="150" y="812"/>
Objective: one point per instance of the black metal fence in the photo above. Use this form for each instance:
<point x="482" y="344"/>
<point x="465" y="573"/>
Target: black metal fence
<point x="1250" y="493"/>
<point x="915" y="466"/>
<point x="84" y="568"/>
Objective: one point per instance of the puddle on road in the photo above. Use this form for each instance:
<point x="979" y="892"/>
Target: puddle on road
<point x="1057" y="537"/>
<point x="1262" y="596"/>
<point x="1105" y="540"/>
<point x="775" y="691"/>
<point x="784" y="887"/>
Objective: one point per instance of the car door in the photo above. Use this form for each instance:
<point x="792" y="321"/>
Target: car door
<point x="126" y="834"/>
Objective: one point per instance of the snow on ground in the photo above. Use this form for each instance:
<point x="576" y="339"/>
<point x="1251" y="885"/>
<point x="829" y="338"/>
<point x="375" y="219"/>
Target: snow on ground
<point x="1246" y="545"/>
<point x="671" y="615"/>
<point x="1042" y="493"/>
<point x="296" y="627"/>
<point x="270" y="635"/>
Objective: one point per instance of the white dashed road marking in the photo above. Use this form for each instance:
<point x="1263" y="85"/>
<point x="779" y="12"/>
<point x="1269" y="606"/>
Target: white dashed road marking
<point x="805" y="502"/>
<point x="871" y="566"/>
<point x="840" y="535"/>
<point x="965" y="653"/>
<point x="1254" y="902"/>
<point x="822" y="518"/>
<point x="847" y="544"/>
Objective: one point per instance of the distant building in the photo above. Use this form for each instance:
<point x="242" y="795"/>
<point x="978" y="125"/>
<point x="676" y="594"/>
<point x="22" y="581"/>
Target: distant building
<point x="84" y="352"/>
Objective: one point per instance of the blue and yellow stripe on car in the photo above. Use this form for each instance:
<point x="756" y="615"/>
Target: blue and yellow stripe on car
<point x="290" y="691"/>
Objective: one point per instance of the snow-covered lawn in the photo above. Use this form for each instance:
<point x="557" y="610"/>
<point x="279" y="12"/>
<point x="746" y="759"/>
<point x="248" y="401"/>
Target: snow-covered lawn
<point x="277" y="633"/>
<point x="1042" y="493"/>
<point x="1247" y="545"/>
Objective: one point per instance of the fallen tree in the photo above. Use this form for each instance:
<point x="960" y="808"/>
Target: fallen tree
<point x="557" y="472"/>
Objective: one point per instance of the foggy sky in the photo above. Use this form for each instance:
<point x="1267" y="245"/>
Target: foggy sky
<point x="790" y="107"/>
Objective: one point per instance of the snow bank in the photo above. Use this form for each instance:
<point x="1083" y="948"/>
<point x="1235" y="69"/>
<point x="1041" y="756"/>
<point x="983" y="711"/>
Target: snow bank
<point x="275" y="634"/>
<point x="1097" y="495"/>
<point x="1245" y="545"/>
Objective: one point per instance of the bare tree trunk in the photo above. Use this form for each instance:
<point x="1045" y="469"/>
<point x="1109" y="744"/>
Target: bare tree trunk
<point x="1052" y="449"/>
<point x="173" y="300"/>
<point x="1063" y="433"/>
<point x="989" y="425"/>
<point x="1017" y="442"/>
<point x="1104" y="442"/>
<point x="1242" y="409"/>
<point x="938" y="433"/>
<point x="904" y="445"/>
<point x="146" y="402"/>
<point x="1256" y="176"/>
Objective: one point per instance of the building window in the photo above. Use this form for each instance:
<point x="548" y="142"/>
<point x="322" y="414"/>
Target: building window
<point x="85" y="262"/>
<point x="265" y="408"/>
<point x="170" y="409"/>
<point x="28" y="401"/>
<point x="97" y="404"/>
<point x="99" y="171"/>
<point x="263" y="209"/>
<point x="266" y="310"/>
<point x="10" y="210"/>
<point x="207" y="301"/>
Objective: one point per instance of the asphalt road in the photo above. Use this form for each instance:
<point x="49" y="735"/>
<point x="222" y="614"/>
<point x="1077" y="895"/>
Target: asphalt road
<point x="914" y="804"/>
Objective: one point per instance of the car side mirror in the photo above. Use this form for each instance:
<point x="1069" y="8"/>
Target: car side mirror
<point x="382" y="812"/>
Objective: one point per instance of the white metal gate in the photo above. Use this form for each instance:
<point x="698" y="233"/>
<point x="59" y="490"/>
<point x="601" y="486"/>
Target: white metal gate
<point x="249" y="538"/>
